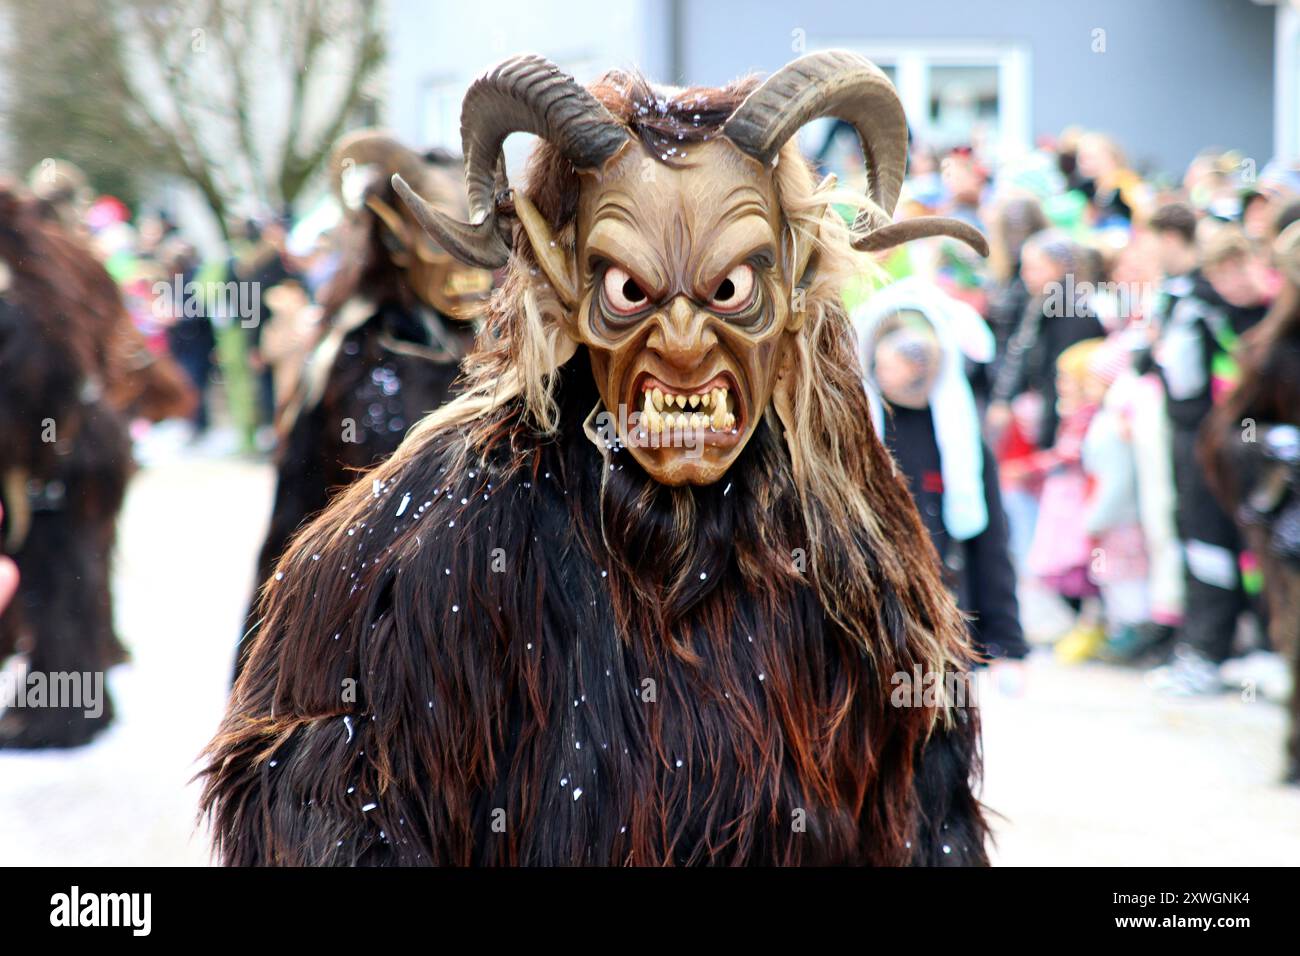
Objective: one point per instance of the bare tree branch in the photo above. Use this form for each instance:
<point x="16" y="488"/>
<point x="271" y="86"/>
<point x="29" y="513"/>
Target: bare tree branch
<point x="194" y="88"/>
<point x="298" y="168"/>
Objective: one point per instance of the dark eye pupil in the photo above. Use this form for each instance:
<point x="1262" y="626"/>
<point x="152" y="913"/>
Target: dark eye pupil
<point x="725" y="291"/>
<point x="632" y="292"/>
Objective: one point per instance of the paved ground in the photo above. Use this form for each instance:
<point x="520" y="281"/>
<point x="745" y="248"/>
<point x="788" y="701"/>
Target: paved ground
<point x="1084" y="764"/>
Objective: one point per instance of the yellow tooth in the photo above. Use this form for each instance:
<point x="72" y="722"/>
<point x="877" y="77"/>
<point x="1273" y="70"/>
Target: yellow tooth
<point x="731" y="420"/>
<point x="669" y="421"/>
<point x="719" y="414"/>
<point x="695" y="401"/>
<point x="697" y="421"/>
<point x="681" y="400"/>
<point x="706" y="399"/>
<point x="659" y="400"/>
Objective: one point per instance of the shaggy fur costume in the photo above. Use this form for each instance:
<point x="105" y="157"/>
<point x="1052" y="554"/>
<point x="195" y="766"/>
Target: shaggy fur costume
<point x="508" y="645"/>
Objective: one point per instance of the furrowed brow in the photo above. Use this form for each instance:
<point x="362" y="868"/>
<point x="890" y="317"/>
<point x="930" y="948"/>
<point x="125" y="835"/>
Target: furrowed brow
<point x="744" y="240"/>
<point x="621" y="244"/>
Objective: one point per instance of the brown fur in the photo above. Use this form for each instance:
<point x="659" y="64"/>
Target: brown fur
<point x="51" y="337"/>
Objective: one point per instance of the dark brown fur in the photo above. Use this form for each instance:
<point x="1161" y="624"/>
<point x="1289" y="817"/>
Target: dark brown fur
<point x="50" y="376"/>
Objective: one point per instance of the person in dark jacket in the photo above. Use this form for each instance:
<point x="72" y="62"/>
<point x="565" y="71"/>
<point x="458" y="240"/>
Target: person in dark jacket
<point x="1056" y="317"/>
<point x="910" y="338"/>
<point x="190" y="338"/>
<point x="1014" y="220"/>
<point x="1194" y="354"/>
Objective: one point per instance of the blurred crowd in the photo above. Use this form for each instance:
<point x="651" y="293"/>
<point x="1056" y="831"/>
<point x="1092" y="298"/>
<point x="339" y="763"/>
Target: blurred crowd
<point x="240" y="324"/>
<point x="1121" y="370"/>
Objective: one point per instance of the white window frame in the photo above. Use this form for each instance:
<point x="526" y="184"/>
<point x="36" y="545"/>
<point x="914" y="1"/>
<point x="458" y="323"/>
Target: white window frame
<point x="911" y="60"/>
<point x="439" y="112"/>
<point x="1286" y="82"/>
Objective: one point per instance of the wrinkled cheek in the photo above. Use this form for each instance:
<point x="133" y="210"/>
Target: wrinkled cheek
<point x="759" y="361"/>
<point x="602" y="364"/>
<point x="761" y="357"/>
<point x="609" y="369"/>
<point x="608" y="360"/>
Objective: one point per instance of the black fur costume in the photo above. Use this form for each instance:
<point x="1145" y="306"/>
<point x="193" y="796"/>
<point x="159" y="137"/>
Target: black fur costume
<point x="494" y="689"/>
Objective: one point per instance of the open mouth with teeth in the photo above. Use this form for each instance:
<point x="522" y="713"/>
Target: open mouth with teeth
<point x="711" y="411"/>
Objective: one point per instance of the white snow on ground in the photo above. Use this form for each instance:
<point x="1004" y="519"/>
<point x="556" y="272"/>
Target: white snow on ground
<point x="1088" y="767"/>
<point x="186" y="550"/>
<point x="1084" y="764"/>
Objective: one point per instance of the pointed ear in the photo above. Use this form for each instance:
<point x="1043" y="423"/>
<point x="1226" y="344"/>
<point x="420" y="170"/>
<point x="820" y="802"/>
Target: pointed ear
<point x="555" y="260"/>
<point x="20" y="509"/>
<point x="784" y="399"/>
<point x="804" y="253"/>
<point x="390" y="217"/>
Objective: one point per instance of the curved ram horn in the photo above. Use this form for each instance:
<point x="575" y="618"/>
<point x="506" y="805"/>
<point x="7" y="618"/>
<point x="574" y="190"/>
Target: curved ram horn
<point x="922" y="227"/>
<point x="527" y="94"/>
<point x="366" y="146"/>
<point x="848" y="87"/>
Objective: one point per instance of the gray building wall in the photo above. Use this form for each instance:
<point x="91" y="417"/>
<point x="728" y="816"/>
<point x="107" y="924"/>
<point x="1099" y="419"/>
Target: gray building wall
<point x="1176" y="76"/>
<point x="437" y="45"/>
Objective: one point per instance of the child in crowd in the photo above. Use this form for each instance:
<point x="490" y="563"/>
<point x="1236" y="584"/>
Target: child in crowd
<point x="1062" y="553"/>
<point x="913" y="341"/>
<point x="1022" y="416"/>
<point x="1113" y="519"/>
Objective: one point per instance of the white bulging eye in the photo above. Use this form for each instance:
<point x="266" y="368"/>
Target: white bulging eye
<point x="735" y="291"/>
<point x="622" y="293"/>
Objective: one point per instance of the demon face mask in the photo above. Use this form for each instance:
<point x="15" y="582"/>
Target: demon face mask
<point x="682" y="273"/>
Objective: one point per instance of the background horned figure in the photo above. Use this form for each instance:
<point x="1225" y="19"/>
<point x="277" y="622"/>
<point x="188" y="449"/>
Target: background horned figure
<point x="397" y="321"/>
